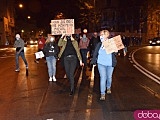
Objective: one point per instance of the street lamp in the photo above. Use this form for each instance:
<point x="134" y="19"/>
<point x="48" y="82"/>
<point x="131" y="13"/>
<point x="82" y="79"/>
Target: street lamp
<point x="29" y="17"/>
<point x="85" y="31"/>
<point x="20" y="5"/>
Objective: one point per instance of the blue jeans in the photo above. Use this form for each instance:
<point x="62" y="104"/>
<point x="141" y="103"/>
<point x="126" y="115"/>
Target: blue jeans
<point x="23" y="58"/>
<point x="105" y="77"/>
<point x="51" y="64"/>
<point x="84" y="56"/>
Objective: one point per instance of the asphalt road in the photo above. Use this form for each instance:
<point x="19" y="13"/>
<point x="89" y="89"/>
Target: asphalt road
<point x="33" y="97"/>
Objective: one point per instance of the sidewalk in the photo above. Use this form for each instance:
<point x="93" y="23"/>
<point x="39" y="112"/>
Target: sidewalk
<point x="6" y="46"/>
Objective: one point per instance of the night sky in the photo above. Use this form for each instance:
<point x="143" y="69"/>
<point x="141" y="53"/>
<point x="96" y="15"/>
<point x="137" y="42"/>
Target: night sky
<point x="42" y="11"/>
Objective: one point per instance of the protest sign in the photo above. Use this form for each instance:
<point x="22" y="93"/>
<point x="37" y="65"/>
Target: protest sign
<point x="39" y="54"/>
<point x="63" y="26"/>
<point x="113" y="44"/>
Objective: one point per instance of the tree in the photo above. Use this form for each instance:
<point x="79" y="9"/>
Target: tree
<point x="89" y="16"/>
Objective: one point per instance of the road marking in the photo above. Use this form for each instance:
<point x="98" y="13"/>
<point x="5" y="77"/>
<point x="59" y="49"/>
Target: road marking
<point x="72" y="109"/>
<point x="90" y="96"/>
<point x="157" y="81"/>
<point x="143" y="70"/>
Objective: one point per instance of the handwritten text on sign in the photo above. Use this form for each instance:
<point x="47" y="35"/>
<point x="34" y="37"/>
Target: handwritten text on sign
<point x="63" y="26"/>
<point x="113" y="44"/>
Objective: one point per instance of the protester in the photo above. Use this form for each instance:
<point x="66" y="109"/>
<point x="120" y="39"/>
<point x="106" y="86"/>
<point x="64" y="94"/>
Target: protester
<point x="41" y="43"/>
<point x="83" y="45"/>
<point x="106" y="63"/>
<point x="68" y="55"/>
<point x="125" y="45"/>
<point x="19" y="45"/>
<point x="51" y="51"/>
<point x="92" y="44"/>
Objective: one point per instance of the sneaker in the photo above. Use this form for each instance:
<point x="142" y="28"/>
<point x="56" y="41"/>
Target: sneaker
<point x="17" y="70"/>
<point x="50" y="78"/>
<point x="36" y="61"/>
<point x="102" y="97"/>
<point x="54" y="79"/>
<point x="109" y="91"/>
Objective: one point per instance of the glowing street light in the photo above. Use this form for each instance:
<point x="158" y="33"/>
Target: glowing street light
<point x="21" y="5"/>
<point x="29" y="17"/>
<point x="85" y="31"/>
<point x="22" y="31"/>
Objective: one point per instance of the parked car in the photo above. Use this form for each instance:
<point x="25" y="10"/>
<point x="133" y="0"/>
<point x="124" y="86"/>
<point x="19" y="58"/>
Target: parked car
<point x="154" y="41"/>
<point x="32" y="42"/>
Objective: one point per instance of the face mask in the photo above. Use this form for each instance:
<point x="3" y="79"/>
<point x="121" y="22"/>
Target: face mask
<point x="52" y="39"/>
<point x="68" y="37"/>
<point x="84" y="36"/>
<point x="17" y="38"/>
<point x="101" y="38"/>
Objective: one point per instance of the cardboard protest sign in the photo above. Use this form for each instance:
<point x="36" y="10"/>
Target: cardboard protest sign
<point x="63" y="26"/>
<point x="113" y="44"/>
<point x="39" y="54"/>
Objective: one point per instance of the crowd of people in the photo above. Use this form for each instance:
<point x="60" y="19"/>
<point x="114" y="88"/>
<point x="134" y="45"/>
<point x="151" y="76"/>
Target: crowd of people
<point x="72" y="52"/>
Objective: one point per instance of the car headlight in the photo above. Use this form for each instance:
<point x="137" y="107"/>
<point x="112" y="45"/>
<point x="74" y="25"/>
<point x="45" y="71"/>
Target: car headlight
<point x="31" y="42"/>
<point x="158" y="41"/>
<point x="36" y="41"/>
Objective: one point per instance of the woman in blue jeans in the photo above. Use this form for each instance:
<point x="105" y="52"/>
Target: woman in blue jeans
<point x="51" y="52"/>
<point x="106" y="63"/>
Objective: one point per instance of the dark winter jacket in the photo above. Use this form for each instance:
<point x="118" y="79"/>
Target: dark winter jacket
<point x="51" y="49"/>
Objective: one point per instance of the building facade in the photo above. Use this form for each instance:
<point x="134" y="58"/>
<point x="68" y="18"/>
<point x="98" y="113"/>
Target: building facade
<point x="7" y="22"/>
<point x="132" y="18"/>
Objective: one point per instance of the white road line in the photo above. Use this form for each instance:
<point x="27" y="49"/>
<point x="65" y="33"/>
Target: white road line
<point x="147" y="74"/>
<point x="72" y="109"/>
<point x="90" y="96"/>
<point x="145" y="71"/>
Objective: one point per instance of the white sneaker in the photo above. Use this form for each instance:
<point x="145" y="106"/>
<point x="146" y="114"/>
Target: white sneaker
<point x="50" y="78"/>
<point x="17" y="70"/>
<point x="54" y="79"/>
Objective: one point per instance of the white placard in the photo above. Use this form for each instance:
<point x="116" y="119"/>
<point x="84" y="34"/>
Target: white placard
<point x="63" y="26"/>
<point x="39" y="54"/>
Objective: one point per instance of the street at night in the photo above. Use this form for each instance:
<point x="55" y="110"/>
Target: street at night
<point x="135" y="86"/>
<point x="80" y="60"/>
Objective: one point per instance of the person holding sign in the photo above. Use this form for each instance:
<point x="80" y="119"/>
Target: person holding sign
<point x="51" y="51"/>
<point x="41" y="43"/>
<point x="68" y="54"/>
<point x="106" y="63"/>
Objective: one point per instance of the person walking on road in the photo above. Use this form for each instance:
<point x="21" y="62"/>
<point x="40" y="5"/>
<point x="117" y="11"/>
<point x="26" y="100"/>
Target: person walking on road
<point x="19" y="45"/>
<point x="93" y="42"/>
<point x="68" y="54"/>
<point x="41" y="43"/>
<point x="51" y="51"/>
<point x="106" y="63"/>
<point x="83" y="45"/>
<point x="92" y="45"/>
